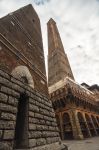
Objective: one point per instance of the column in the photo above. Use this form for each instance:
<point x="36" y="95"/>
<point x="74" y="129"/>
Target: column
<point x="89" y="133"/>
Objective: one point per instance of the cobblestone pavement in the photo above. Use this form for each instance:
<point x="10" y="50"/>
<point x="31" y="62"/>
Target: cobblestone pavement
<point x="88" y="144"/>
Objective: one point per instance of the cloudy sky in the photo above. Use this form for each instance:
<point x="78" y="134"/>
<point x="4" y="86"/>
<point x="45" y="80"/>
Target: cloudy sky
<point x="78" y="24"/>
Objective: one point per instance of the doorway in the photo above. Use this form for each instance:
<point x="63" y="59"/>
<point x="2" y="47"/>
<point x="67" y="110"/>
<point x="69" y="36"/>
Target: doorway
<point x="21" y="129"/>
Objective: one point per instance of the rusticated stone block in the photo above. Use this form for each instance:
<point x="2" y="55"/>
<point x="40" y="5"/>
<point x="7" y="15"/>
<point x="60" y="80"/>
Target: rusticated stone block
<point x="41" y="141"/>
<point x="13" y="101"/>
<point x="18" y="88"/>
<point x="1" y="134"/>
<point x="33" y="120"/>
<point x="37" y="115"/>
<point x="54" y="124"/>
<point x="42" y="127"/>
<point x="49" y="134"/>
<point x="8" y="108"/>
<point x="52" y="139"/>
<point x="10" y="91"/>
<point x="35" y="134"/>
<point x="31" y="114"/>
<point x="52" y="128"/>
<point x="32" y="143"/>
<point x="4" y="74"/>
<point x="32" y="126"/>
<point x="7" y="124"/>
<point x="32" y="101"/>
<point x="33" y="108"/>
<point x="3" y="97"/>
<point x="45" y="112"/>
<point x="5" y="146"/>
<point x="42" y="122"/>
<point x="5" y="82"/>
<point x="48" y="123"/>
<point x="48" y="118"/>
<point x="8" y="134"/>
<point x="16" y="81"/>
<point x="8" y="116"/>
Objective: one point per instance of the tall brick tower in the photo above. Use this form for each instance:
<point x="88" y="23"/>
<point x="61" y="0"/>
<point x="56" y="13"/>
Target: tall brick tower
<point x="21" y="47"/>
<point x="58" y="64"/>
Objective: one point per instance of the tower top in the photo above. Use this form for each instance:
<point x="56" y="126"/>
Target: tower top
<point x="51" y="20"/>
<point x="58" y="64"/>
<point x="54" y="40"/>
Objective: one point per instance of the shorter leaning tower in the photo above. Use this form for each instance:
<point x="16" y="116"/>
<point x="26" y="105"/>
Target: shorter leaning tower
<point x="58" y="64"/>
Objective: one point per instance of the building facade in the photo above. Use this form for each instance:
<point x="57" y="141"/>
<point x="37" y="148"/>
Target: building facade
<point x="76" y="107"/>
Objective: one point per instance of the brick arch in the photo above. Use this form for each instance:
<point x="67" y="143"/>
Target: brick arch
<point x="95" y="123"/>
<point x="67" y="127"/>
<point x="90" y="125"/>
<point x="22" y="72"/>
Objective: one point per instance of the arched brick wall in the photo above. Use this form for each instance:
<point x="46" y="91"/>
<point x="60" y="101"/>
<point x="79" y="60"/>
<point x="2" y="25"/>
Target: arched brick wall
<point x="23" y="71"/>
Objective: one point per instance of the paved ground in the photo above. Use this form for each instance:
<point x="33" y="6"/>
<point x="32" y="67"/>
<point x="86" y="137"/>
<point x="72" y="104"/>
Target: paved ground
<point x="88" y="144"/>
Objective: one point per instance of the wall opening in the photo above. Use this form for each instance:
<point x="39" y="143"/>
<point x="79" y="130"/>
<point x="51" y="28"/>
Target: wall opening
<point x="95" y="124"/>
<point x="90" y="125"/>
<point x="21" y="129"/>
<point x="68" y="133"/>
<point x="83" y="125"/>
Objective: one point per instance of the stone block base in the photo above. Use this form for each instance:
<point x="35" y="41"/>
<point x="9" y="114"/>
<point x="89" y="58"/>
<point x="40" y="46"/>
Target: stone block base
<point x="53" y="146"/>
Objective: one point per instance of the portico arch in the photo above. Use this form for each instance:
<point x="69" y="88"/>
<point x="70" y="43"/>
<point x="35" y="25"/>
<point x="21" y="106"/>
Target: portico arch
<point x="95" y="123"/>
<point x="90" y="125"/>
<point x="67" y="127"/>
<point x="83" y="125"/>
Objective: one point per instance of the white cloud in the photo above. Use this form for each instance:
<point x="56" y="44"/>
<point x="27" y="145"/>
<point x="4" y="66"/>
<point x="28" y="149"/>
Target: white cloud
<point x="78" y="23"/>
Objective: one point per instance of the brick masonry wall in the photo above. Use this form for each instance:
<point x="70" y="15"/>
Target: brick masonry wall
<point x="42" y="128"/>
